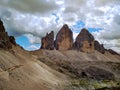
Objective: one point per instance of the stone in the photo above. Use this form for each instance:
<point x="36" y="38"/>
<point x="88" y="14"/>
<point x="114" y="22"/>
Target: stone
<point x="48" y="41"/>
<point x="99" y="47"/>
<point x="64" y="38"/>
<point x="84" y="41"/>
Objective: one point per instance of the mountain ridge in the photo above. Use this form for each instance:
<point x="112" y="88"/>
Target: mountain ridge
<point x="84" y="42"/>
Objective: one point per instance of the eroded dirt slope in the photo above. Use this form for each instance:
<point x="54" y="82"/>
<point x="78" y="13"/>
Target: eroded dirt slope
<point x="21" y="71"/>
<point x="74" y="63"/>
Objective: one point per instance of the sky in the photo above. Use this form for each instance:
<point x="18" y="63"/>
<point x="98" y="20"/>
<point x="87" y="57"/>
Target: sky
<point x="30" y="20"/>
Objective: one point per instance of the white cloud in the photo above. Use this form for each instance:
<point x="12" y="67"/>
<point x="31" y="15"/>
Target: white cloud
<point x="35" y="18"/>
<point x="31" y="6"/>
<point x="32" y="47"/>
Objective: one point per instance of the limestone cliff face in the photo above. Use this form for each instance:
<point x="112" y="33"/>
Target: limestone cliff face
<point x="5" y="40"/>
<point x="48" y="41"/>
<point x="84" y="41"/>
<point x="64" y="39"/>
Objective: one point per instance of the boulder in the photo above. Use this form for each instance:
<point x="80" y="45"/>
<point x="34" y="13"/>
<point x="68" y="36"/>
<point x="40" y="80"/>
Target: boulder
<point x="64" y="38"/>
<point x="84" y="41"/>
<point x="48" y="41"/>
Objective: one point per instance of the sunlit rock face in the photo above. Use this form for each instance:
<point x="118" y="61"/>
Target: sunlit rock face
<point x="84" y="41"/>
<point x="48" y="41"/>
<point x="64" y="39"/>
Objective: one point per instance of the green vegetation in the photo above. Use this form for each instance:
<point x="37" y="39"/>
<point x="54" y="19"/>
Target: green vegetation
<point x="91" y="84"/>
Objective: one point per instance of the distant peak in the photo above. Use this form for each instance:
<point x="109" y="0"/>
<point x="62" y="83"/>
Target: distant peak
<point x="84" y="30"/>
<point x="65" y="26"/>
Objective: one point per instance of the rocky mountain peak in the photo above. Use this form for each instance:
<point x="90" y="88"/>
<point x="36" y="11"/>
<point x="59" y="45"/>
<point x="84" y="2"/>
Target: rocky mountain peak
<point x="99" y="47"/>
<point x="64" y="38"/>
<point x="85" y="35"/>
<point x="84" y="41"/>
<point x="48" y="41"/>
<point x="5" y="40"/>
<point x="65" y="27"/>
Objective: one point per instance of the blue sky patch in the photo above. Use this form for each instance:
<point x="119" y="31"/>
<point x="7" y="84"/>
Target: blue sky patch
<point x="24" y="42"/>
<point x="57" y="17"/>
<point x="94" y="29"/>
<point x="79" y="24"/>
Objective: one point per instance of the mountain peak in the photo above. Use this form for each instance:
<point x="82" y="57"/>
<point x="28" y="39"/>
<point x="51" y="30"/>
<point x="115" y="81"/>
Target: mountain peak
<point x="5" y="40"/>
<point x="64" y="38"/>
<point x="84" y="41"/>
<point x="48" y="41"/>
<point x="65" y="27"/>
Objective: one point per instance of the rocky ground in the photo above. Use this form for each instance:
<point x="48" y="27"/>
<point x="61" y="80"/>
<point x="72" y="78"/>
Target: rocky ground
<point x="93" y="70"/>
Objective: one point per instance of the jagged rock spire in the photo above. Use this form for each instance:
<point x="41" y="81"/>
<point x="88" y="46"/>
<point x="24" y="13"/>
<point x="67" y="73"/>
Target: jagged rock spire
<point x="48" y="41"/>
<point x="84" y="41"/>
<point x="64" y="38"/>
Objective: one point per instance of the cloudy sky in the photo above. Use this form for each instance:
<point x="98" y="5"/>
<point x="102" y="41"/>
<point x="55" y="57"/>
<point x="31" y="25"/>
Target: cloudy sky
<point x="29" y="20"/>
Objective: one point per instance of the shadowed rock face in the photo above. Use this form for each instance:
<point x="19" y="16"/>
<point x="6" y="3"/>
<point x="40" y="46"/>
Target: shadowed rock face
<point x="2" y="29"/>
<point x="48" y="41"/>
<point x="112" y="52"/>
<point x="64" y="39"/>
<point x="98" y="73"/>
<point x="5" y="41"/>
<point x="4" y="38"/>
<point x="99" y="47"/>
<point x="84" y="41"/>
<point x="12" y="40"/>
